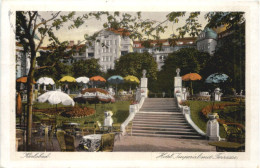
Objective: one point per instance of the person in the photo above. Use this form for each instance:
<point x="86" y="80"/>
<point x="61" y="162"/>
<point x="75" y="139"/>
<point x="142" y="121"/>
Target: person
<point x="66" y="88"/>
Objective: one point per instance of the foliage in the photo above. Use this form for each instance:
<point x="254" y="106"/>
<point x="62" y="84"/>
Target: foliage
<point x="187" y="59"/>
<point x="135" y="63"/>
<point x="56" y="72"/>
<point x="230" y="59"/>
<point x="89" y="67"/>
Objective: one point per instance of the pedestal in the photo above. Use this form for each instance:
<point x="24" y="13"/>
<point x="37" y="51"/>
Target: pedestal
<point x="144" y="82"/>
<point x="213" y="128"/>
<point x="144" y="90"/>
<point x="177" y="85"/>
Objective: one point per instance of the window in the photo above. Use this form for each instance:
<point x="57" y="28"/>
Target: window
<point x="115" y="42"/>
<point x="91" y="55"/>
<point x="110" y="58"/>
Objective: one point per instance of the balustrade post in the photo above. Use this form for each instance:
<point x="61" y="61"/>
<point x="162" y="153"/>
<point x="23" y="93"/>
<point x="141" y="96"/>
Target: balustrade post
<point x="213" y="128"/>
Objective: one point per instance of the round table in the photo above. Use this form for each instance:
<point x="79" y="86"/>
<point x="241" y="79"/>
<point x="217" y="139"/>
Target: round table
<point x="91" y="142"/>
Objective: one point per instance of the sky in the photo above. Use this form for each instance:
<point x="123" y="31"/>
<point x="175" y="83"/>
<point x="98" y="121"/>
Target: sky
<point x="93" y="25"/>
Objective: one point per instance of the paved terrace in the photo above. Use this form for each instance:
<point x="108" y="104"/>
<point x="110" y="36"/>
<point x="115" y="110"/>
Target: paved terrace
<point x="158" y="144"/>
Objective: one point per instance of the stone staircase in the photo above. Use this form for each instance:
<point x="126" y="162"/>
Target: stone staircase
<point x="161" y="117"/>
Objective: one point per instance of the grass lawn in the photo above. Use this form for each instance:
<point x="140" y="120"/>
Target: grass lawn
<point x="199" y="119"/>
<point x="120" y="111"/>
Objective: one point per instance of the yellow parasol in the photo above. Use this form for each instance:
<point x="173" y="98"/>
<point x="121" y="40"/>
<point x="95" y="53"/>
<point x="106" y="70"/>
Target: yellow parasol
<point x="67" y="79"/>
<point x="131" y="78"/>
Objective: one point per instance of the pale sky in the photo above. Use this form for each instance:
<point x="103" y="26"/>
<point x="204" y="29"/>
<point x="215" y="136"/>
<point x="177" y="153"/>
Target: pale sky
<point x="93" y="25"/>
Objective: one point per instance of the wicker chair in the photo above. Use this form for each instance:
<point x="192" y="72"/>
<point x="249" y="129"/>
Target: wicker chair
<point x="107" y="142"/>
<point x="66" y="141"/>
<point x="69" y="142"/>
<point x="61" y="140"/>
<point x="40" y="141"/>
<point x="51" y="136"/>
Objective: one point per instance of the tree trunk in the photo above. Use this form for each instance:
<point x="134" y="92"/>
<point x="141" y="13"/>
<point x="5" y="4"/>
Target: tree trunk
<point x="30" y="97"/>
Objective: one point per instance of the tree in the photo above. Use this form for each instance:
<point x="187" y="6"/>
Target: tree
<point x="230" y="59"/>
<point x="135" y="63"/>
<point x="230" y="54"/>
<point x="88" y="68"/>
<point x="189" y="60"/>
<point x="53" y="68"/>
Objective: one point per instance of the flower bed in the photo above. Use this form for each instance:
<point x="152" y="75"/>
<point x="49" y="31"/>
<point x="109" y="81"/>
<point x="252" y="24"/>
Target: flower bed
<point x="78" y="112"/>
<point x="208" y="109"/>
<point x="53" y="111"/>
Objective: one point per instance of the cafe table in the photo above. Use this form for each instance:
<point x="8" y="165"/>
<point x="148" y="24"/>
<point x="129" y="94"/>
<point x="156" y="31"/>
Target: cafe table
<point x="91" y="143"/>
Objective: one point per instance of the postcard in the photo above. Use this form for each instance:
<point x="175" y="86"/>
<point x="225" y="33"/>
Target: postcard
<point x="129" y="84"/>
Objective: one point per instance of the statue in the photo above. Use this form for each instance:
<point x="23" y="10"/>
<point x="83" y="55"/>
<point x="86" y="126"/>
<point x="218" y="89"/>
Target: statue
<point x="144" y="73"/>
<point x="178" y="71"/>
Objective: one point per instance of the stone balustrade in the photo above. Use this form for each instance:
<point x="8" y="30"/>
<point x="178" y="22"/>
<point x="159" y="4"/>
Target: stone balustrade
<point x="186" y="112"/>
<point x="133" y="109"/>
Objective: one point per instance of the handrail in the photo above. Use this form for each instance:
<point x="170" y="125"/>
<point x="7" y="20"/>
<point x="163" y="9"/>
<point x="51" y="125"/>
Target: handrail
<point x="186" y="113"/>
<point x="133" y="109"/>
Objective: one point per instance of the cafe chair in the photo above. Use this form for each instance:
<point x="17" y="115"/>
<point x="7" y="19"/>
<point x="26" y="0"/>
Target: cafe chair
<point x="51" y="137"/>
<point x="116" y="128"/>
<point x="60" y="137"/>
<point x="107" y="142"/>
<point x="20" y="137"/>
<point x="40" y="141"/>
<point x="88" y="128"/>
<point x="101" y="129"/>
<point x="69" y="142"/>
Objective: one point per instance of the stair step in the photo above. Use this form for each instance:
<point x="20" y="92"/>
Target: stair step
<point x="159" y="116"/>
<point x="161" y="112"/>
<point x="156" y="120"/>
<point x="170" y="114"/>
<point x="173" y="132"/>
<point x="162" y="128"/>
<point x="159" y="109"/>
<point x="158" y="123"/>
<point x="169" y="136"/>
<point x="159" y="106"/>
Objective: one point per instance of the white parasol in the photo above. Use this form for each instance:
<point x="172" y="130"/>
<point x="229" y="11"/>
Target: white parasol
<point x="82" y="79"/>
<point x="56" y="97"/>
<point x="45" y="81"/>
